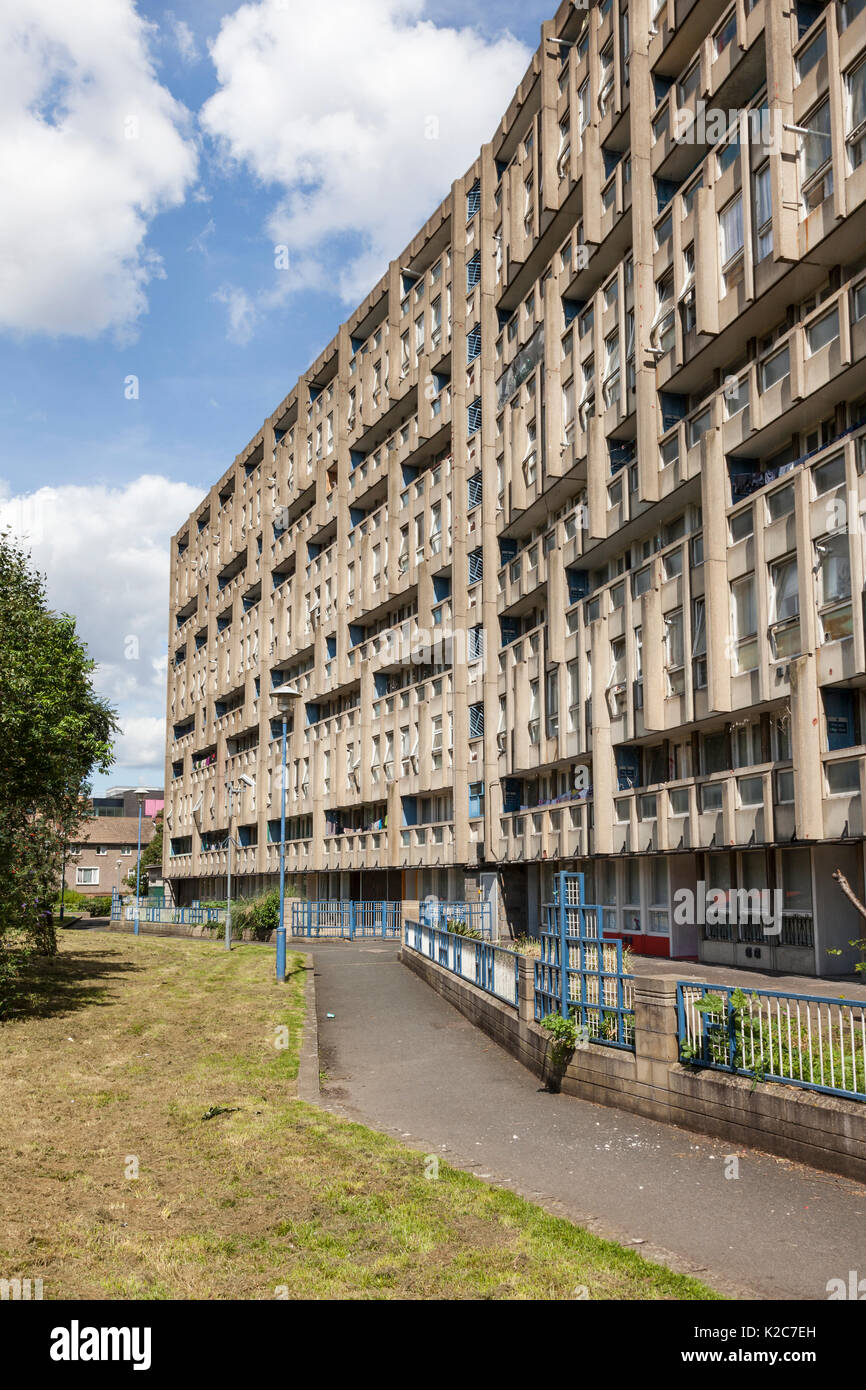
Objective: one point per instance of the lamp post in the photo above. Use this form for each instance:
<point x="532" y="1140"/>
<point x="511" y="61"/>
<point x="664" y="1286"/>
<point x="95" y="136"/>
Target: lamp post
<point x="141" y="793"/>
<point x="284" y="699"/>
<point x="245" y="781"/>
<point x="63" y="883"/>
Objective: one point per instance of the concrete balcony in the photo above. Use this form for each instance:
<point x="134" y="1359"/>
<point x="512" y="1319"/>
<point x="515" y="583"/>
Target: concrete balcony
<point x="426" y="845"/>
<point x="520" y="580"/>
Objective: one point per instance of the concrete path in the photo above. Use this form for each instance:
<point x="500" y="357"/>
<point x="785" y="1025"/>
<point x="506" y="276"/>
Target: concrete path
<point x="401" y="1059"/>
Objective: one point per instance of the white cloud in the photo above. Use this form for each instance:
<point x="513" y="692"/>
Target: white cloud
<point x="199" y="242"/>
<point x="242" y="312"/>
<point x="104" y="552"/>
<point x="92" y="147"/>
<point x="361" y="116"/>
<point x="183" y="37"/>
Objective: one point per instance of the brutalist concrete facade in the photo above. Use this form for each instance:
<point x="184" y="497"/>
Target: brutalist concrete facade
<point x="559" y="540"/>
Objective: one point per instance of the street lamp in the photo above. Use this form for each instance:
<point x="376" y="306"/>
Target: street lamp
<point x="141" y="793"/>
<point x="284" y="699"/>
<point x="232" y="792"/>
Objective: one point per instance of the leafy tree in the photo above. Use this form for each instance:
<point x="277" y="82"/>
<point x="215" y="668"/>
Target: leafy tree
<point x="54" y="731"/>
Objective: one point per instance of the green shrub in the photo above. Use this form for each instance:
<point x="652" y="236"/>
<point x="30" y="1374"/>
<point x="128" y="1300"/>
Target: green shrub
<point x="258" y="916"/>
<point x="457" y="927"/>
<point x="99" y="907"/>
<point x="72" y="902"/>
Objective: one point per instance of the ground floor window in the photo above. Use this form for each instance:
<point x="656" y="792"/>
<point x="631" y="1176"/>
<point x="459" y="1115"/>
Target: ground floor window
<point x="633" y="892"/>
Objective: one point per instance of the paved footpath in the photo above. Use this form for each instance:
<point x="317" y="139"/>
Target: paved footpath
<point x="401" y="1059"/>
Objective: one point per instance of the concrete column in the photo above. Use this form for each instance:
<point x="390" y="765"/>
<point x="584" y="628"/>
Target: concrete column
<point x="526" y="989"/>
<point x="655" y="1027"/>
<point x="806" y="748"/>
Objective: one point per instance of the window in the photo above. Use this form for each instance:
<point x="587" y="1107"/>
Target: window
<point x="564" y="145"/>
<point x="728" y="150"/>
<point x="611" y="382"/>
<point x="672" y="563"/>
<point x="784" y="787"/>
<point x="763" y="204"/>
<point x="775" y="368"/>
<point x="534" y="712"/>
<point x="843" y="779"/>
<point x="711" y="796"/>
<point x="848" y="12"/>
<point x="744" y="618"/>
<point x="745" y="745"/>
<point x="784" y="610"/>
<point x="829" y="475"/>
<point x="699" y="644"/>
<point x="616" y="689"/>
<point x="781" y="502"/>
<point x="780" y="738"/>
<point x="657" y="893"/>
<point x="855" y="85"/>
<point x="674" y="652"/>
<point x="605" y="77"/>
<point x="574" y="700"/>
<point x="679" y="801"/>
<point x="731" y="231"/>
<point x="552" y="700"/>
<point x="815" y="156"/>
<point x="736" y="397"/>
<point x="725" y="34"/>
<point x="812" y="54"/>
<point x="690" y="82"/>
<point x="699" y="424"/>
<point x="823" y="331"/>
<point x="669" y="451"/>
<point x="86" y="877"/>
<point x="834" y="586"/>
<point x="742" y="525"/>
<point x="641" y="582"/>
<point x="751" y="791"/>
<point x="583" y="110"/>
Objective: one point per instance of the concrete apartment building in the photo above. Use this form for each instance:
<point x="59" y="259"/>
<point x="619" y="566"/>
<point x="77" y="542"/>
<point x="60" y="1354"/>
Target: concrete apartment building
<point x="559" y="539"/>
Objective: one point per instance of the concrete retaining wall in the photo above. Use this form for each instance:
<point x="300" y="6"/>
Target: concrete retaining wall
<point x="802" y="1125"/>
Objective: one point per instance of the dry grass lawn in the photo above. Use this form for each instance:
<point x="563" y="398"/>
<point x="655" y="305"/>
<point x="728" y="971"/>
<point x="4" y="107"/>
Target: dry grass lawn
<point x="160" y="1057"/>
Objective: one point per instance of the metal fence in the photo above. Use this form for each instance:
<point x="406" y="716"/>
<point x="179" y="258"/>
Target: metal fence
<point x="492" y="968"/>
<point x="339" y="917"/>
<point x="170" y="915"/>
<point x="796" y="929"/>
<point x="477" y="916"/>
<point x="580" y="975"/>
<point x="800" y="1039"/>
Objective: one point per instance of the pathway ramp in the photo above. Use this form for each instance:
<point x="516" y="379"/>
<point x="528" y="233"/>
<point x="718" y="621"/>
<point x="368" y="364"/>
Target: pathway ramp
<point x="401" y="1059"/>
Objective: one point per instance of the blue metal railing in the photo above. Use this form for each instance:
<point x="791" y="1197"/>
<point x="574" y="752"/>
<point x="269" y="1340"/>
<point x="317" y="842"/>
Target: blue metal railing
<point x="348" y="920"/>
<point x="494" y="969"/>
<point x="803" y="1040"/>
<point x="477" y="916"/>
<point x="172" y="916"/>
<point x="580" y="975"/>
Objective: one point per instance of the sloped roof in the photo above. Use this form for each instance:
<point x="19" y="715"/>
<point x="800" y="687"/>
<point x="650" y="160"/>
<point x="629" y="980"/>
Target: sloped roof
<point x="113" y="830"/>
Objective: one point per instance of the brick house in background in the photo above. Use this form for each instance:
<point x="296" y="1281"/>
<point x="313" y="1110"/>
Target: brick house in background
<point x="105" y="848"/>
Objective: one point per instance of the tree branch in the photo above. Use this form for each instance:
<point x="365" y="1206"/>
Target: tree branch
<point x="849" y="891"/>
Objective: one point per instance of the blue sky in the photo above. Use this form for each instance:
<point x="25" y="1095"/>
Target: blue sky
<point x="155" y="259"/>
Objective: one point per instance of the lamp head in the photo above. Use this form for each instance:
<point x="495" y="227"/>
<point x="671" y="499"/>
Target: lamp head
<point x="285" y="697"/>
